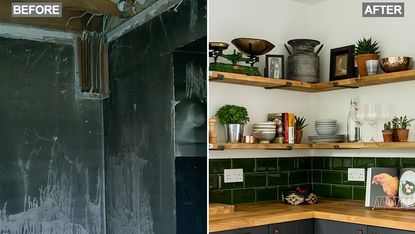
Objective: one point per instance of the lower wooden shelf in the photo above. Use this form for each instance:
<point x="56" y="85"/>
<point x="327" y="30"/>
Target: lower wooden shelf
<point x="360" y="145"/>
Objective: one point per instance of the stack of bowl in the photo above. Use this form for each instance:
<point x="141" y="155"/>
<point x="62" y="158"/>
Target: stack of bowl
<point x="326" y="130"/>
<point x="326" y="127"/>
<point x="265" y="131"/>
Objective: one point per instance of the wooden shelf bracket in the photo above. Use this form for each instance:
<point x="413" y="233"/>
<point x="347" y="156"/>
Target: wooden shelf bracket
<point x="336" y="84"/>
<point x="219" y="77"/>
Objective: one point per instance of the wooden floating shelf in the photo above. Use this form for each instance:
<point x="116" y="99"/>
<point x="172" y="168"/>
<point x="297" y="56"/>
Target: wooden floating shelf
<point x="269" y="83"/>
<point x="363" y="145"/>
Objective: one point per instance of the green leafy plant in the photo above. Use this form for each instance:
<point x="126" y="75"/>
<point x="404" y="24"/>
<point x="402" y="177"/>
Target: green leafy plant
<point x="401" y="122"/>
<point x="387" y="126"/>
<point x="367" y="46"/>
<point x="300" y="123"/>
<point x="232" y="114"/>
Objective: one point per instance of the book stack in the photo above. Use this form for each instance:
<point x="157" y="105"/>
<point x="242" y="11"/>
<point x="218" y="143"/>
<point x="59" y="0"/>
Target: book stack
<point x="286" y="132"/>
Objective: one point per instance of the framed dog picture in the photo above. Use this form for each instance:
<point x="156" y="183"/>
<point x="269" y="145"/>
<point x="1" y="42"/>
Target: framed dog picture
<point x="342" y="63"/>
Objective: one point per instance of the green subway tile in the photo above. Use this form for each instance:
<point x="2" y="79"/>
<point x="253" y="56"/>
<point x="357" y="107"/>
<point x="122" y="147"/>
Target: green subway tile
<point x="247" y="164"/>
<point x="388" y="162"/>
<point x="322" y="190"/>
<point x="255" y="180"/>
<point x="230" y="185"/>
<point x="221" y="196"/>
<point x="321" y="163"/>
<point x="213" y="182"/>
<point x="347" y="182"/>
<point x="298" y="177"/>
<point x="342" y="163"/>
<point x="408" y="162"/>
<point x="359" y="193"/>
<point x="343" y="192"/>
<point x="279" y="178"/>
<point x="286" y="164"/>
<point x="304" y="163"/>
<point x="332" y="177"/>
<point x="243" y="195"/>
<point x="266" y="164"/>
<point x="363" y="162"/>
<point x="316" y="176"/>
<point x="216" y="166"/>
<point x="266" y="194"/>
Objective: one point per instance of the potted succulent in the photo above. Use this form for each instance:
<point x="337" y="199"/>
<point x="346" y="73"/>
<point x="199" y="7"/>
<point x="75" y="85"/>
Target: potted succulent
<point x="366" y="49"/>
<point x="234" y="119"/>
<point x="387" y="132"/>
<point x="400" y="126"/>
<point x="299" y="126"/>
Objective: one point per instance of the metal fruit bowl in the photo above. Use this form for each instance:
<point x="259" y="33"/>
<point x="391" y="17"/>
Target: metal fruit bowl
<point x="253" y="46"/>
<point x="395" y="64"/>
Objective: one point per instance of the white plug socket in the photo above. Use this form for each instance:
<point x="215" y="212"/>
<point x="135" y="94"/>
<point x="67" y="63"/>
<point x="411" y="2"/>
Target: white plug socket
<point x="233" y="175"/>
<point x="356" y="174"/>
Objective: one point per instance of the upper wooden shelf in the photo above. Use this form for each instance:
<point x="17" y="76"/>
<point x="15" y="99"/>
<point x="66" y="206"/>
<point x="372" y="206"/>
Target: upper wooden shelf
<point x="269" y="83"/>
<point x="362" y="145"/>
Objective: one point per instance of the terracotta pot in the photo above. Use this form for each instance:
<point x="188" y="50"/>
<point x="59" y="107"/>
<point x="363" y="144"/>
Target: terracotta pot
<point x="361" y="62"/>
<point x="298" y="136"/>
<point x="402" y="135"/>
<point x="387" y="135"/>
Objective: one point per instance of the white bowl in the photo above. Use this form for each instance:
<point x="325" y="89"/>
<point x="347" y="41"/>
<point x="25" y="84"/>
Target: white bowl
<point x="331" y="131"/>
<point x="265" y="137"/>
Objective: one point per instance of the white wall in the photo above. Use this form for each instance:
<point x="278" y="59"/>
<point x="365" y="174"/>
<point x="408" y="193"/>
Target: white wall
<point x="335" y="23"/>
<point x="339" y="23"/>
<point x="271" y="20"/>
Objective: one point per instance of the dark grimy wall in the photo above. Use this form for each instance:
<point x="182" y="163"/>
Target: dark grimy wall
<point x="51" y="157"/>
<point x="139" y="142"/>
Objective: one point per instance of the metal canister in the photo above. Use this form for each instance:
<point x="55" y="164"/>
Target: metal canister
<point x="303" y="62"/>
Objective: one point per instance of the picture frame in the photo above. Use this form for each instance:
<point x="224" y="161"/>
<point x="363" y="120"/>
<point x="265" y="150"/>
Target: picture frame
<point x="342" y="63"/>
<point x="271" y="62"/>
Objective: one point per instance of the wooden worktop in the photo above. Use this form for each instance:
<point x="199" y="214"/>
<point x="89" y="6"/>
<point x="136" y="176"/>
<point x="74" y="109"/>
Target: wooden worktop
<point x="256" y="214"/>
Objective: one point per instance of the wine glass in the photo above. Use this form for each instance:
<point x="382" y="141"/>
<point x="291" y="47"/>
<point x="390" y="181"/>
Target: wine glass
<point x="359" y="119"/>
<point x="371" y="118"/>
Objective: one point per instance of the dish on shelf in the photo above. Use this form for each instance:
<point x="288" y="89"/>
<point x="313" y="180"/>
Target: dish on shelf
<point x="395" y="64"/>
<point x="407" y="188"/>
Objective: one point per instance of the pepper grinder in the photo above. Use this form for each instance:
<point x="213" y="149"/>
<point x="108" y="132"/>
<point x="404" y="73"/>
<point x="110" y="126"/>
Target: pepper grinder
<point x="213" y="137"/>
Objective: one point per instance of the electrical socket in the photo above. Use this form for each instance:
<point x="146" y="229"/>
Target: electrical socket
<point x="356" y="174"/>
<point x="233" y="175"/>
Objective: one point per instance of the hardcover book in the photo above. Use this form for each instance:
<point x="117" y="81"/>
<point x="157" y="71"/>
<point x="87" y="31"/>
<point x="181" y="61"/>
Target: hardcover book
<point x="381" y="184"/>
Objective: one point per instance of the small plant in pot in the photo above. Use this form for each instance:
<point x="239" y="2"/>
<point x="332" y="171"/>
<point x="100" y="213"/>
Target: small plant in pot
<point x="300" y="124"/>
<point x="366" y="49"/>
<point x="234" y="119"/>
<point x="400" y="126"/>
<point x="387" y="132"/>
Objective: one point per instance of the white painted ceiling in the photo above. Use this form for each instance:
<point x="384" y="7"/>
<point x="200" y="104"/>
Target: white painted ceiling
<point x="309" y="2"/>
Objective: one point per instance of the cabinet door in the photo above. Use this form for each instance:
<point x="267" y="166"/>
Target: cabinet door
<point x="333" y="227"/>
<point x="252" y="230"/>
<point x="295" y="227"/>
<point x="379" y="230"/>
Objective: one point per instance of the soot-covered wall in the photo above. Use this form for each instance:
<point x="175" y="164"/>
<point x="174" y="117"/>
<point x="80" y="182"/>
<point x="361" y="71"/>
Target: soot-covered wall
<point x="51" y="157"/>
<point x="139" y="122"/>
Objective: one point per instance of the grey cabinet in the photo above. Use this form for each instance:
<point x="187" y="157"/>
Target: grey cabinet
<point x="333" y="227"/>
<point x="378" y="230"/>
<point x="252" y="230"/>
<point x="295" y="227"/>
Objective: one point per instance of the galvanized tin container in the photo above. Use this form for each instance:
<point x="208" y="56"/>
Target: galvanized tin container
<point x="303" y="62"/>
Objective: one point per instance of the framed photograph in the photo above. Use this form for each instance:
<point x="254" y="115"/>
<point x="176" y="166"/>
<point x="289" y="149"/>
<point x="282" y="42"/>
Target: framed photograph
<point x="342" y="63"/>
<point x="274" y="66"/>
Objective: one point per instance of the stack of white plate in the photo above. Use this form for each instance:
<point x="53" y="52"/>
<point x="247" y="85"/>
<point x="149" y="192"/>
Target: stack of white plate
<point x="326" y="127"/>
<point x="266" y="131"/>
<point x="326" y="130"/>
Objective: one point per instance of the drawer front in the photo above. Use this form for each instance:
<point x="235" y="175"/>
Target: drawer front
<point x="333" y="227"/>
<point x="252" y="230"/>
<point x="379" y="230"/>
<point x="295" y="227"/>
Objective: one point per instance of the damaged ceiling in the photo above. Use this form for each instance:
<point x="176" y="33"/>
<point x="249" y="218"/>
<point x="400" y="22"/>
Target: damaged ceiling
<point x="78" y="14"/>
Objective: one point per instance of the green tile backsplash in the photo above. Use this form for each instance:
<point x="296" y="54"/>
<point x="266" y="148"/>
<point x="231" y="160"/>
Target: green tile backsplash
<point x="266" y="178"/>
